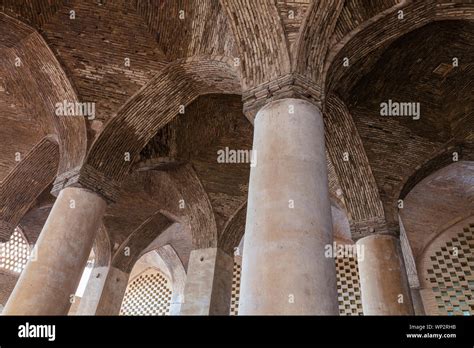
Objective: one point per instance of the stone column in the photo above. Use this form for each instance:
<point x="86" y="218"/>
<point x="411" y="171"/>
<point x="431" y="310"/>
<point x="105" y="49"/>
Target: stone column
<point x="208" y="286"/>
<point x="48" y="283"/>
<point x="418" y="306"/>
<point x="104" y="292"/>
<point x="113" y="292"/>
<point x="383" y="280"/>
<point x="289" y="223"/>
<point x="177" y="300"/>
<point x="178" y="277"/>
<point x="93" y="292"/>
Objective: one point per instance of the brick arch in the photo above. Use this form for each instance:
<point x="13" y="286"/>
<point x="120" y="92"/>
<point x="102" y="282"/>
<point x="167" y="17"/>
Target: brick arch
<point x="204" y="29"/>
<point x="439" y="200"/>
<point x="325" y="24"/>
<point x="131" y="249"/>
<point x="44" y="80"/>
<point x="380" y="31"/>
<point x="177" y="193"/>
<point x="198" y="208"/>
<point x="159" y="227"/>
<point x="383" y="29"/>
<point x="361" y="195"/>
<point x="442" y="159"/>
<point x="314" y="38"/>
<point x="260" y="39"/>
<point x="156" y="104"/>
<point x="102" y="248"/>
<point x="28" y="179"/>
<point x="439" y="161"/>
<point x="234" y="230"/>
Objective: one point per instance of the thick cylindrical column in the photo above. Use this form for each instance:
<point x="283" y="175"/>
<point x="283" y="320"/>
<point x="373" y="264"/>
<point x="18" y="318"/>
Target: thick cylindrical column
<point x="383" y="279"/>
<point x="284" y="269"/>
<point x="50" y="280"/>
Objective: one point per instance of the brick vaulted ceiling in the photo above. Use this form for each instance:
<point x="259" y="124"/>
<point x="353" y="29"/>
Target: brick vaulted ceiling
<point x="206" y="55"/>
<point x="395" y="147"/>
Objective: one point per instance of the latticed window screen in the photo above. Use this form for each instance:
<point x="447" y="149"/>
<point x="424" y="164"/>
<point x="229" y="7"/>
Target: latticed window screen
<point x="14" y="254"/>
<point x="147" y="294"/>
<point x="451" y="274"/>
<point x="234" y="300"/>
<point x="348" y="287"/>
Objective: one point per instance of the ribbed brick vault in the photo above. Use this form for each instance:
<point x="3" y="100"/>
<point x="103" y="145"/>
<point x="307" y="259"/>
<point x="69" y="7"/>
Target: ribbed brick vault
<point x="198" y="71"/>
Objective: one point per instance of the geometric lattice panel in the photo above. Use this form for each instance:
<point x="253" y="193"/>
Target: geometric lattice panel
<point x="147" y="294"/>
<point x="348" y="286"/>
<point x="234" y="300"/>
<point x="451" y="274"/>
<point x="14" y="253"/>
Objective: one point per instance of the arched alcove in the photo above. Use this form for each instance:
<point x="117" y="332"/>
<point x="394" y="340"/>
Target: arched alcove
<point x="438" y="218"/>
<point x="151" y="286"/>
<point x="14" y="255"/>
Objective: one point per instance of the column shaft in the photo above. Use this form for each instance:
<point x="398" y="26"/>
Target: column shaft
<point x="208" y="286"/>
<point x="49" y="281"/>
<point x="289" y="221"/>
<point x="113" y="292"/>
<point x="418" y="306"/>
<point x="93" y="292"/>
<point x="383" y="279"/>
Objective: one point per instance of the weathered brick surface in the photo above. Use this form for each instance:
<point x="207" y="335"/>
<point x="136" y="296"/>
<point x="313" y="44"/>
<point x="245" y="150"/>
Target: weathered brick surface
<point x="40" y="82"/>
<point x="26" y="182"/>
<point x="222" y="60"/>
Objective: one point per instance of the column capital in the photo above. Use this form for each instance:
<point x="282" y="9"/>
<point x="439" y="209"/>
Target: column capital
<point x="90" y="179"/>
<point x="374" y="226"/>
<point x="289" y="86"/>
<point x="376" y="236"/>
